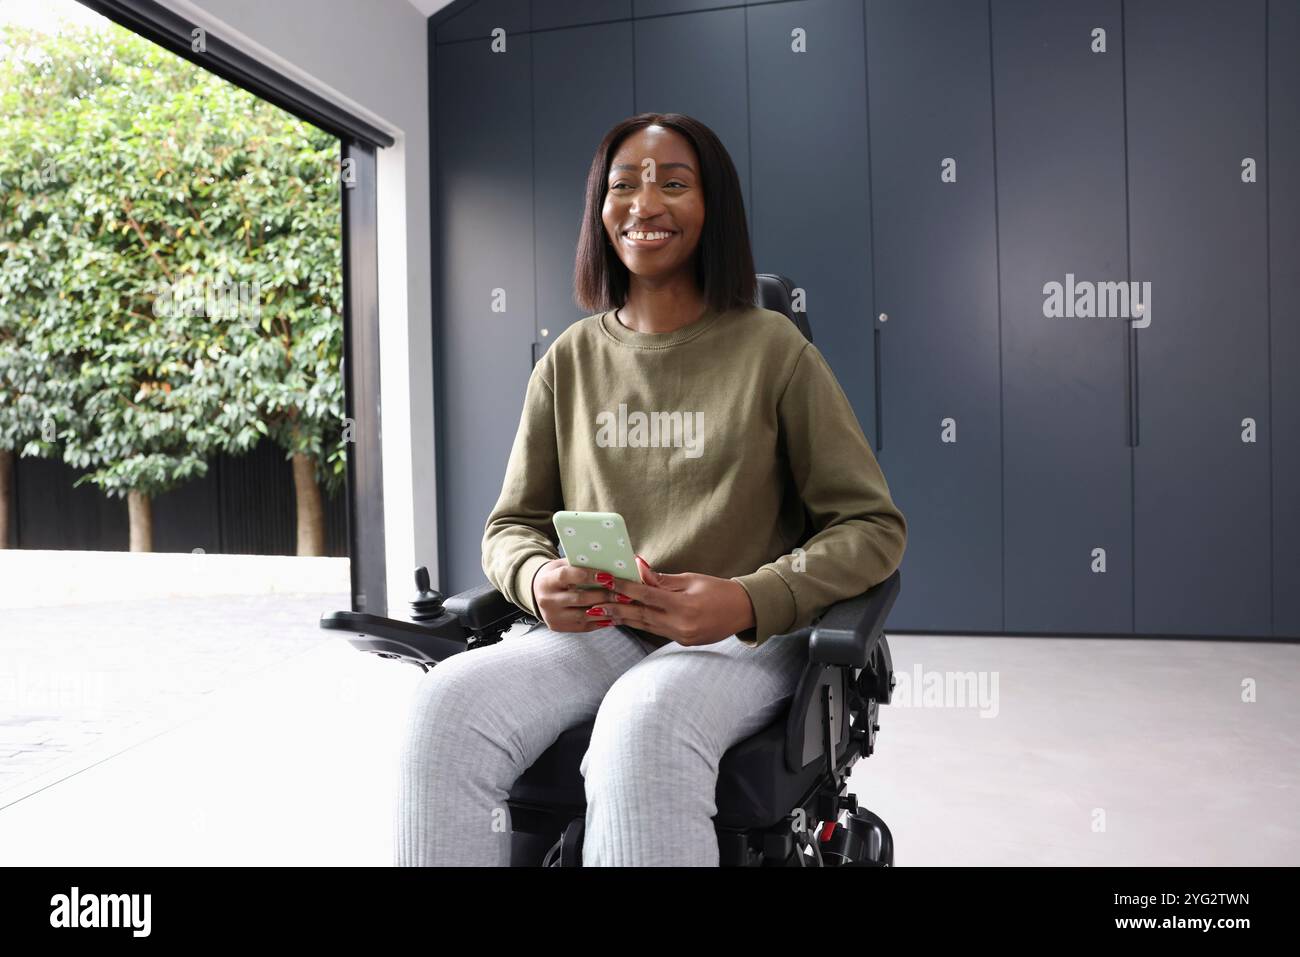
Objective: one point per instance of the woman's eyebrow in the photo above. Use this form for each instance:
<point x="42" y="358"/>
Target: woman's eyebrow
<point x="634" y="168"/>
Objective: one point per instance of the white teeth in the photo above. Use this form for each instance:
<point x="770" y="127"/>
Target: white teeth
<point x="633" y="234"/>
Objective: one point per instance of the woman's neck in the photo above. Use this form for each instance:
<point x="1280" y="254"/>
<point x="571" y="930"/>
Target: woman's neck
<point x="660" y="312"/>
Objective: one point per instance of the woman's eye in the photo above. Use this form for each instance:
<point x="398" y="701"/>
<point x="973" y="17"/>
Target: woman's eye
<point x="629" y="186"/>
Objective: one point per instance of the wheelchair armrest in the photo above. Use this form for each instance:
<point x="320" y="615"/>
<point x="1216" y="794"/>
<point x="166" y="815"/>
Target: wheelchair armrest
<point x="444" y="628"/>
<point x="848" y="632"/>
<point x="833" y="712"/>
<point x="419" y="643"/>
<point x="482" y="608"/>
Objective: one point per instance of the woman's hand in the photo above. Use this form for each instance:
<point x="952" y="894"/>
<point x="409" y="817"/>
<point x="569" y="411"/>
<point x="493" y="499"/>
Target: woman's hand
<point x="564" y="607"/>
<point x="688" y="608"/>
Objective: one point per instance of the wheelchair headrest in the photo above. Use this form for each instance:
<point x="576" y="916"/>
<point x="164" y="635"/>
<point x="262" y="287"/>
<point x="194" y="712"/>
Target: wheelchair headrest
<point x="775" y="293"/>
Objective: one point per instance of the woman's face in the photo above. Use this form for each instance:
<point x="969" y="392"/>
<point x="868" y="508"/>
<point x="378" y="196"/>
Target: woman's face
<point x="654" y="185"/>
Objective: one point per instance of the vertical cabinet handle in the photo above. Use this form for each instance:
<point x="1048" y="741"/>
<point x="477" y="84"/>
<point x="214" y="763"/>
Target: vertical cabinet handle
<point x="880" y="412"/>
<point x="1133" y="436"/>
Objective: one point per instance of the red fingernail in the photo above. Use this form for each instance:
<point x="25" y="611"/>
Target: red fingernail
<point x="604" y="621"/>
<point x="595" y="611"/>
<point x="605" y="578"/>
<point x="623" y="598"/>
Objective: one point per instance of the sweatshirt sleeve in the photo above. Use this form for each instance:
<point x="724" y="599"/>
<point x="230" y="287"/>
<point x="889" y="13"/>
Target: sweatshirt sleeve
<point x="519" y="537"/>
<point x="860" y="533"/>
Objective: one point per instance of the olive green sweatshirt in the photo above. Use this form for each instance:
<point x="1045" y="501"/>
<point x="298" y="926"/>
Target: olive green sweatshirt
<point x="710" y="441"/>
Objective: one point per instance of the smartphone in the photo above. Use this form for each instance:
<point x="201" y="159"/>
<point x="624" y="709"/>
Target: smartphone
<point x="597" y="540"/>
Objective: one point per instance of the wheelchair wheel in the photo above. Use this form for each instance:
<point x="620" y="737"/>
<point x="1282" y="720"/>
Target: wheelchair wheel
<point x="567" y="851"/>
<point x="862" y="839"/>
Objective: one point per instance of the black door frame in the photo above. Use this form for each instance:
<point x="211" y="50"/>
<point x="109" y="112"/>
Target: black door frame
<point x="359" y="142"/>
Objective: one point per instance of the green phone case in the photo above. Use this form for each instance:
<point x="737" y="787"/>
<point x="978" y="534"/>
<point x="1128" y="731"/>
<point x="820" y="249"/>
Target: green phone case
<point x="597" y="540"/>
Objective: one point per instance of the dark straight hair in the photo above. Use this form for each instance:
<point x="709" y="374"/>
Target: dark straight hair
<point x="724" y="262"/>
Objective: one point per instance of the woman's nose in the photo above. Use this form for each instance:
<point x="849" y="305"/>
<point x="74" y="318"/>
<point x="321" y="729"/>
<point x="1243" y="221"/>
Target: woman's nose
<point x="646" y="201"/>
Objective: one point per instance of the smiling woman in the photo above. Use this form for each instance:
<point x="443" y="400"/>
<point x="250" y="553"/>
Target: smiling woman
<point x="659" y="183"/>
<point x="745" y="539"/>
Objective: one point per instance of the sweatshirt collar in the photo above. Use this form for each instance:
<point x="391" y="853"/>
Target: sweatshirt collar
<point x="615" y="330"/>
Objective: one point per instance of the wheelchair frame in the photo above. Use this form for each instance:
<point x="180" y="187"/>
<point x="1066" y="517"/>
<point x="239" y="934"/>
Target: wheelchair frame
<point x="832" y="719"/>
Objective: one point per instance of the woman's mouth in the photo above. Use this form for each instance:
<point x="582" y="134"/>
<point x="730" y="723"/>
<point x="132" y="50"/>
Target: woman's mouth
<point x="649" y="238"/>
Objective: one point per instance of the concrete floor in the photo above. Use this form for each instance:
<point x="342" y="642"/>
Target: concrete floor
<point x="278" y="754"/>
<point x="1102" y="751"/>
<point x="281" y="747"/>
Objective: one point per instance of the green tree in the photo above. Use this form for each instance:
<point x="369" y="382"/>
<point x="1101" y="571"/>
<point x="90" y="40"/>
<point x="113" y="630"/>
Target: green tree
<point x="170" y="273"/>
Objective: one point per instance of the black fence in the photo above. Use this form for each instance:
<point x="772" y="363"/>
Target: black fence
<point x="243" y="506"/>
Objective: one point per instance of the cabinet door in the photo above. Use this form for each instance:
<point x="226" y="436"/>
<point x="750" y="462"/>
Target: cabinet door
<point x="549" y="14"/>
<point x="929" y="89"/>
<point x="811" y="212"/>
<point x="485" y="208"/>
<point x="1284" y="277"/>
<point x="1198" y="234"/>
<point x="695" y="64"/>
<point x="564" y="65"/>
<point x="657" y="8"/>
<point x="479" y="19"/>
<point x="1067" y="466"/>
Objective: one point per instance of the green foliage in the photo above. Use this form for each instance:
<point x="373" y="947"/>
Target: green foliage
<point x="129" y="178"/>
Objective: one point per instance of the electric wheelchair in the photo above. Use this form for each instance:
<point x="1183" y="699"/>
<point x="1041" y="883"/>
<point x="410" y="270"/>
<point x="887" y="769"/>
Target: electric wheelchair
<point x="781" y="794"/>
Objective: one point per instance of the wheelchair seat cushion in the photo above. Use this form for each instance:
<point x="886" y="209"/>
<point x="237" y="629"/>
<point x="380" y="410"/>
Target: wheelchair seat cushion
<point x="754" y="789"/>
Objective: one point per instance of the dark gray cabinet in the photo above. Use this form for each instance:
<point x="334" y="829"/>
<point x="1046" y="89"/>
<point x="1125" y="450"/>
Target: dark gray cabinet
<point x="485" y="207"/>
<point x="1067" y="465"/>
<point x="695" y="64"/>
<point x="565" y="139"/>
<point x="940" y="163"/>
<point x="656" y="8"/>
<point x="811" y="211"/>
<point x="936" y="281"/>
<point x="1198" y="236"/>
<point x="1283" y="177"/>
<point x="549" y="14"/>
<point x="480" y="18"/>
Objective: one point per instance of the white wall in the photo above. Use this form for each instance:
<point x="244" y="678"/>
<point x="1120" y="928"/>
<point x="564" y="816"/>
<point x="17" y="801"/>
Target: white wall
<point x="372" y="57"/>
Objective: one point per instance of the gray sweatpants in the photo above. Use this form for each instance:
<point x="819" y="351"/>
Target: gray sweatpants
<point x="664" y="719"/>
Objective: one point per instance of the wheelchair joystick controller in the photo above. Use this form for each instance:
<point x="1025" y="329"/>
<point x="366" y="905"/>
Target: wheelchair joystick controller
<point x="426" y="605"/>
